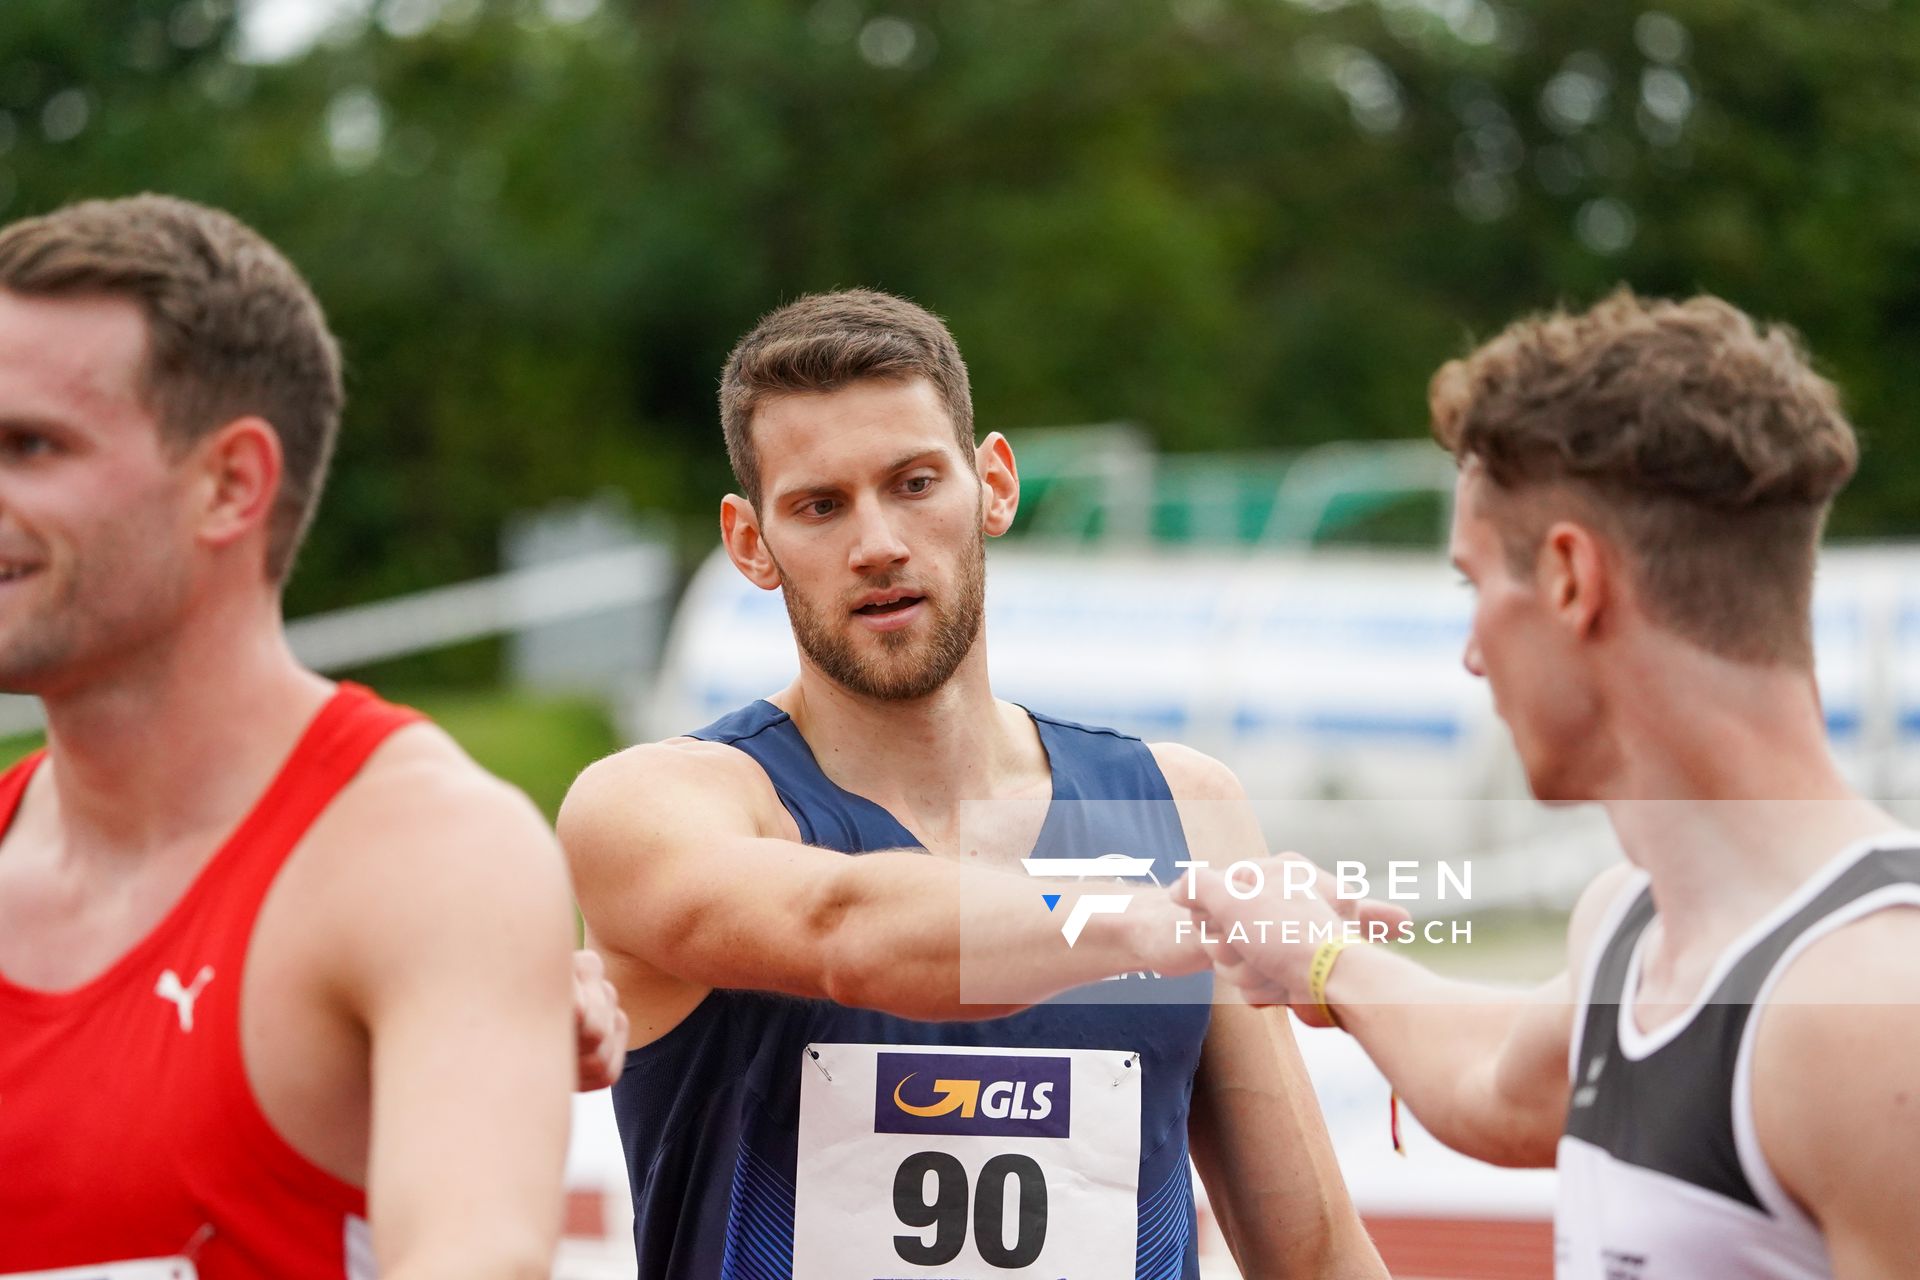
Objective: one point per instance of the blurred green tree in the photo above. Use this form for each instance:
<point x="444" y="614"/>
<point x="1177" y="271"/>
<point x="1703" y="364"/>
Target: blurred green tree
<point x="538" y="224"/>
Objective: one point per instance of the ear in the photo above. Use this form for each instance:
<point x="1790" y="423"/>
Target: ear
<point x="239" y="468"/>
<point x="1001" y="479"/>
<point x="740" y="534"/>
<point x="1574" y="576"/>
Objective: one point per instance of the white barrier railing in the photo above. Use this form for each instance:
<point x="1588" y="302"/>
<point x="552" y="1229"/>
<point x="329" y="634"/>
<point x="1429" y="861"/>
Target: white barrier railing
<point x="518" y="600"/>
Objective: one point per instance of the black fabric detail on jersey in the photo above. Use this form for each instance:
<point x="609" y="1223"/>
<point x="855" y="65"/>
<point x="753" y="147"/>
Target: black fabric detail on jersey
<point x="1672" y="1111"/>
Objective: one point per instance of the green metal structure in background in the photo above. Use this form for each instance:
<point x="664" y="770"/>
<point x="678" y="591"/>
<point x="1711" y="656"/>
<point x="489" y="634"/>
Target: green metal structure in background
<point x="1106" y="485"/>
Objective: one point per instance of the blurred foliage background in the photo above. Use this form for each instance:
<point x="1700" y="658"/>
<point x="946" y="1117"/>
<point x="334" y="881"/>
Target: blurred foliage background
<point x="538" y="225"/>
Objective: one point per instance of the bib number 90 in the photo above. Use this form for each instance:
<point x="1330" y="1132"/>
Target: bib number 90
<point x="946" y="1210"/>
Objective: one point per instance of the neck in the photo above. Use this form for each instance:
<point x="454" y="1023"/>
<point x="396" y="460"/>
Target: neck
<point x="178" y="739"/>
<point x="1724" y="791"/>
<point x="924" y="756"/>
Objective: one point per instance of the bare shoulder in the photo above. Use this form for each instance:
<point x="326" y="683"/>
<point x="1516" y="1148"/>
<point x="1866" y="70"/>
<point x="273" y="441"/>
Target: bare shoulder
<point x="657" y="784"/>
<point x="1833" y="1072"/>
<point x="419" y="787"/>
<point x="656" y="770"/>
<point x="1857" y="985"/>
<point x="1590" y="912"/>
<point x="425" y="854"/>
<point x="1194" y="775"/>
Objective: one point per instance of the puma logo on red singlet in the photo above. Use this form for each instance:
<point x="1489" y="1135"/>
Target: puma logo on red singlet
<point x="169" y="988"/>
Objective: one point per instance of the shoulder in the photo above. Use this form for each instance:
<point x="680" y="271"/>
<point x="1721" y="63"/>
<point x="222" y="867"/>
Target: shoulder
<point x="1857" y="983"/>
<point x="1195" y="775"/>
<point x="653" y="766"/>
<point x="1833" y="1064"/>
<point x="420" y="787"/>
<point x="652" y="791"/>
<point x="1213" y="807"/>
<point x="425" y="852"/>
<point x="1593" y="910"/>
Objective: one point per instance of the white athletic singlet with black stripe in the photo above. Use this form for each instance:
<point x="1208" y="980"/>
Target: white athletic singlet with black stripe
<point x="1661" y="1172"/>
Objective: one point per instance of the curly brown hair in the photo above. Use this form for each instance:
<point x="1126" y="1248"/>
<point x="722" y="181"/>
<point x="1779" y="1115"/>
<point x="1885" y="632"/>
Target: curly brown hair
<point x="1702" y="443"/>
<point x="232" y="329"/>
<point x="826" y="341"/>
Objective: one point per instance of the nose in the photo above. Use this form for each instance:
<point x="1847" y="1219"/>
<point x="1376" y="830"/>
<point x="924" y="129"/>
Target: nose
<point x="1470" y="659"/>
<point x="877" y="546"/>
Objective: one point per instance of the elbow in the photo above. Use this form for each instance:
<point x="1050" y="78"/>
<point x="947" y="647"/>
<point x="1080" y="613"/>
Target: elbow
<point x="857" y="960"/>
<point x="864" y="959"/>
<point x="864" y="971"/>
<point x="862" y="968"/>
<point x="1525" y="1134"/>
<point x="844" y="955"/>
<point x="1514" y="1140"/>
<point x="1522" y="1150"/>
<point x="846" y="976"/>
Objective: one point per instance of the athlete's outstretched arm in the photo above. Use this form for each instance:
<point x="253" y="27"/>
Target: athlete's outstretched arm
<point x="1483" y="1067"/>
<point x="453" y="932"/>
<point x="679" y="864"/>
<point x="1835" y="1104"/>
<point x="1256" y="1132"/>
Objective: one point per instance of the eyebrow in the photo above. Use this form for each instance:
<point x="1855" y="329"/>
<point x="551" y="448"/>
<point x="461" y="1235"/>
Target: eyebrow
<point x="821" y="488"/>
<point x="922" y="455"/>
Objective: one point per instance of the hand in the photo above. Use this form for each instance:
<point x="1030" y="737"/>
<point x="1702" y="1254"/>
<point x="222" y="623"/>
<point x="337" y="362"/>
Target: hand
<point x="1366" y="911"/>
<point x="1265" y="944"/>
<point x="1166" y="936"/>
<point x="600" y="1024"/>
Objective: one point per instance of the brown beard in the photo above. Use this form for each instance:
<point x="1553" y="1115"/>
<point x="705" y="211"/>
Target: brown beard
<point x="909" y="667"/>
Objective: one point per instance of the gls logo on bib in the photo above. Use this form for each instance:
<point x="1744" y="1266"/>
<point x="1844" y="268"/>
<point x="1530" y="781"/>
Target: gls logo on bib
<point x="973" y="1094"/>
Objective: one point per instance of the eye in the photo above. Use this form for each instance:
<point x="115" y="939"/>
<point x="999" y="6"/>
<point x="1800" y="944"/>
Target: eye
<point x="918" y="484"/>
<point x="20" y="445"/>
<point x="819" y="508"/>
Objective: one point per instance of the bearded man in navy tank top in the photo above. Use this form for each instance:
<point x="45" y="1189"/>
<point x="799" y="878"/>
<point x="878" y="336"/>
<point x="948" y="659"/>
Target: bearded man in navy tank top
<point x="817" y="1086"/>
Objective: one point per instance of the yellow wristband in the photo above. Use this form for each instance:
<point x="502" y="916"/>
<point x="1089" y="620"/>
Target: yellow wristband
<point x="1318" y="974"/>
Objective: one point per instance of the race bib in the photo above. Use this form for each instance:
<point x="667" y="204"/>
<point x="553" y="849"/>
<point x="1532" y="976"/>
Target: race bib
<point x="919" y="1163"/>
<point x="134" y="1269"/>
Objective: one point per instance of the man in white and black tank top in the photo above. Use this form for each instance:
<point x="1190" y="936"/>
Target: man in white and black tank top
<point x="1724" y="1074"/>
<point x="1662" y="1169"/>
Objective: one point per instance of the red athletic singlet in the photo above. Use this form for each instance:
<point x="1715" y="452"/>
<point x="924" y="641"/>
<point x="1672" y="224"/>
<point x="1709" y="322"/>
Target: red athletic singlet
<point x="127" y="1127"/>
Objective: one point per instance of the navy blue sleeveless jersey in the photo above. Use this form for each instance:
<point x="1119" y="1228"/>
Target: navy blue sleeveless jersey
<point x="709" y="1113"/>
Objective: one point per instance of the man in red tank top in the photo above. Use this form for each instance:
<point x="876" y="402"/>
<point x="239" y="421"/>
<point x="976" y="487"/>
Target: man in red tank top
<point x="284" y="982"/>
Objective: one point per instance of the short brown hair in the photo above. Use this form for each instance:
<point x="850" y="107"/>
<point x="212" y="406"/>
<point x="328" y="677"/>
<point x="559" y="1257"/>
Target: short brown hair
<point x="232" y="329"/>
<point x="826" y="341"/>
<point x="1704" y="443"/>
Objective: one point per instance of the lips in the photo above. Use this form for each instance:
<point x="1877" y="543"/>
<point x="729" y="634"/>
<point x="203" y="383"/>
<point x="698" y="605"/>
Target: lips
<point x="889" y="606"/>
<point x="889" y="610"/>
<point x="881" y="603"/>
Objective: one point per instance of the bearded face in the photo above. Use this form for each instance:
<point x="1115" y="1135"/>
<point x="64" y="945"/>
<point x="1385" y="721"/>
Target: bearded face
<point x="903" y="645"/>
<point x="873" y="516"/>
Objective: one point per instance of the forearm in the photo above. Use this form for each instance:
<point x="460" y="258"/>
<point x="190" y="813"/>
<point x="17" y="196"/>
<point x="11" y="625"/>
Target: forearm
<point x="931" y="939"/>
<point x="1440" y="1043"/>
<point x="1262" y="1150"/>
